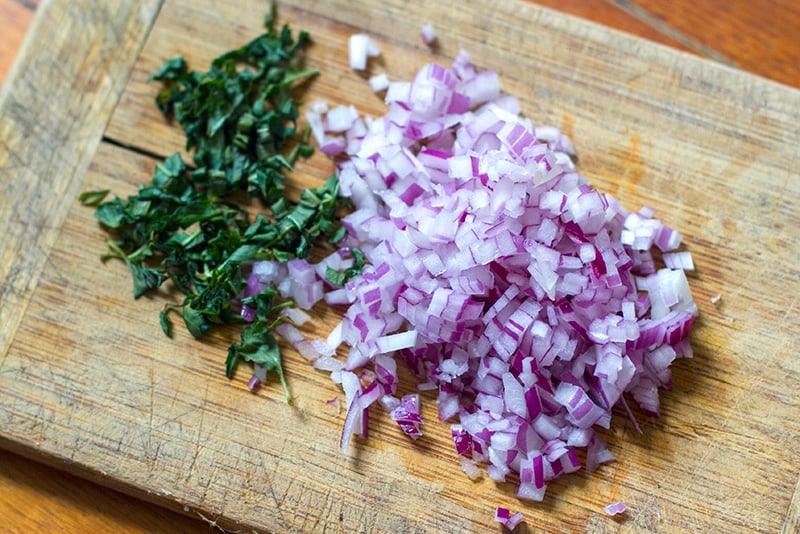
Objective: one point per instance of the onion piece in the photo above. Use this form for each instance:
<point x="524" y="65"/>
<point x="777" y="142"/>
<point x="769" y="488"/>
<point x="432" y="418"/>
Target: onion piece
<point x="428" y="34"/>
<point x="615" y="508"/>
<point x="357" y="51"/>
<point x="508" y="519"/>
<point x="379" y="82"/>
<point x="259" y="377"/>
<point x="407" y="415"/>
<point x="360" y="47"/>
<point x="335" y="405"/>
<point x="470" y="468"/>
<point x="679" y="260"/>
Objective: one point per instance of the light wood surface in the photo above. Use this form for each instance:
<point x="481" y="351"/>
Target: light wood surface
<point x="730" y="405"/>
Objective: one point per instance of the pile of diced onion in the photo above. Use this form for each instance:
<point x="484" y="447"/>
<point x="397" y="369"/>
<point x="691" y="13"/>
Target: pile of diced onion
<point x="527" y="303"/>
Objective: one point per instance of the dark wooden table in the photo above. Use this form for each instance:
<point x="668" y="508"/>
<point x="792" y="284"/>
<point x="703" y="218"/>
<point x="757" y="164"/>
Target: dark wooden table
<point x="758" y="36"/>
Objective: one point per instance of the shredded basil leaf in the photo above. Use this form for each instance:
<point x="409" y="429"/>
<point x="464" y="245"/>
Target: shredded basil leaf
<point x="93" y="198"/>
<point x="339" y="278"/>
<point x="187" y="226"/>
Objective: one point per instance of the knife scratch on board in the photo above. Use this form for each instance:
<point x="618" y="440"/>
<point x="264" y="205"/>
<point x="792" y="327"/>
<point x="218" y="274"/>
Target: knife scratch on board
<point x="149" y="438"/>
<point x="199" y="443"/>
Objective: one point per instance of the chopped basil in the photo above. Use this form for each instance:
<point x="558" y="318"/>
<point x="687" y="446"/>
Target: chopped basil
<point x="186" y="226"/>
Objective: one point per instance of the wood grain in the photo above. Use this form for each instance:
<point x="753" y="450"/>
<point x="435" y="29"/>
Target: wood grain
<point x="34" y="500"/>
<point x="759" y="36"/>
<point x="626" y="154"/>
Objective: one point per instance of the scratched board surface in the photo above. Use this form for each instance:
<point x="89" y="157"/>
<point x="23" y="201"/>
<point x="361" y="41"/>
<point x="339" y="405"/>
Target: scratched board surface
<point x="87" y="380"/>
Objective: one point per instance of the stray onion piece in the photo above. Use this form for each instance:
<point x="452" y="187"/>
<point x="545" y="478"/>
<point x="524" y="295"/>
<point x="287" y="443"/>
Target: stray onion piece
<point x="508" y="519"/>
<point x="615" y="508"/>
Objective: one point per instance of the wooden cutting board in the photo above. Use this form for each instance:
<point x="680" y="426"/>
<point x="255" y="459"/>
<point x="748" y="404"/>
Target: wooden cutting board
<point x="89" y="383"/>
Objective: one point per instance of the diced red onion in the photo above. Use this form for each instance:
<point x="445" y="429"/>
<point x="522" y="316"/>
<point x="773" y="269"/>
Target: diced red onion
<point x="357" y="50"/>
<point x="340" y="119"/>
<point x="258" y="378"/>
<point x="508" y="519"/>
<point x="394" y="342"/>
<point x="333" y="146"/>
<point x="470" y="468"/>
<point x="679" y="260"/>
<point x="379" y="82"/>
<point x="428" y="34"/>
<point x="530" y="300"/>
<point x="328" y="363"/>
<point x="298" y="317"/>
<point x="335" y="405"/>
<point x="314" y="113"/>
<point x="373" y="49"/>
<point x="615" y="508"/>
<point x="311" y="349"/>
<point x="407" y="415"/>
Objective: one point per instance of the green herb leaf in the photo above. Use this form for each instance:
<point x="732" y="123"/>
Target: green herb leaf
<point x="240" y="114"/>
<point x="261" y="349"/>
<point x="258" y="344"/>
<point x="338" y="235"/>
<point x="173" y="69"/>
<point x="111" y="214"/>
<point x="195" y="322"/>
<point x="166" y="324"/>
<point x="93" y="198"/>
<point x="144" y="279"/>
<point x="334" y="277"/>
<point x="339" y="278"/>
<point x="231" y="360"/>
<point x="187" y="226"/>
